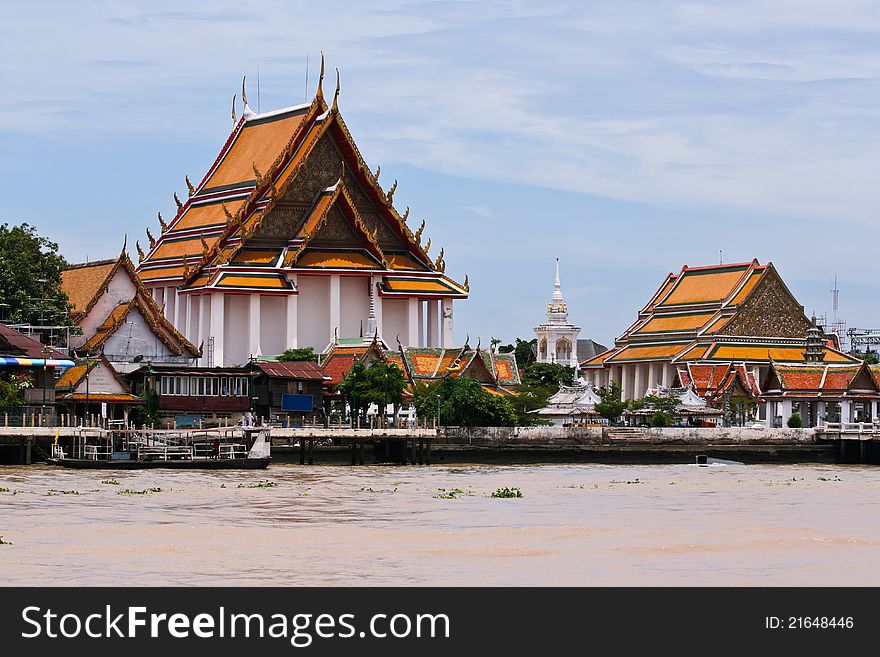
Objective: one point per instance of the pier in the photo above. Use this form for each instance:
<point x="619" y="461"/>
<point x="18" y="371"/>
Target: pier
<point x="855" y="442"/>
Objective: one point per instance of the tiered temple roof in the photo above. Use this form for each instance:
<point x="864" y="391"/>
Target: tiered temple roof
<point x="85" y="285"/>
<point x="496" y="372"/>
<point x="823" y="380"/>
<point x="735" y="313"/>
<point x="290" y="193"/>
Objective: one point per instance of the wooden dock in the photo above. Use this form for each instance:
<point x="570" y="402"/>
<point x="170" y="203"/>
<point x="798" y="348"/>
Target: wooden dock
<point x="855" y="441"/>
<point x="405" y="446"/>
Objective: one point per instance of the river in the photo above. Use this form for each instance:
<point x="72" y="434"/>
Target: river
<point x="616" y="525"/>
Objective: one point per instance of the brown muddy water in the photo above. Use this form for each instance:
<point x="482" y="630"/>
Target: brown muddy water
<point x="575" y="525"/>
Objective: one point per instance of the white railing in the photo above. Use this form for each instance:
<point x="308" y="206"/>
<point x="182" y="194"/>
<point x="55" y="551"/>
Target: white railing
<point x="96" y="452"/>
<point x="163" y="452"/>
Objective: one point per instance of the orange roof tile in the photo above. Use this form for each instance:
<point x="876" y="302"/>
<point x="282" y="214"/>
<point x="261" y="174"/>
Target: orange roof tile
<point x="271" y="282"/>
<point x="197" y="216"/>
<point x="82" y="283"/>
<point x="647" y="352"/>
<point x="259" y="144"/>
<point x="748" y="287"/>
<point x="665" y="323"/>
<point x="706" y="285"/>
<point x="256" y="257"/>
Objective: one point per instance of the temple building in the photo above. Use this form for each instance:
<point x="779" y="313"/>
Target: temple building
<point x="118" y="317"/>
<point x="497" y="373"/>
<point x="288" y="240"/>
<point x="557" y="338"/>
<point x="714" y="327"/>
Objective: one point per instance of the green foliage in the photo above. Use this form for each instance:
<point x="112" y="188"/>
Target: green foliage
<point x="379" y="384"/>
<point x="148" y="414"/>
<point x="870" y="357"/>
<point x="522" y="350"/>
<point x="739" y="409"/>
<point x="611" y="407"/>
<point x="2" y="542"/>
<point x="30" y="277"/>
<point x="463" y="402"/>
<point x="529" y="399"/>
<point x="507" y="493"/>
<point x="12" y="387"/>
<point x="795" y="421"/>
<point x="303" y="353"/>
<point x="547" y="374"/>
<point x="145" y="491"/>
<point x="263" y="484"/>
<point x="111" y="482"/>
<point x="659" y="419"/>
<point x="665" y="403"/>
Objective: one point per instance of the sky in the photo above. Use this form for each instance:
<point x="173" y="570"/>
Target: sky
<point x="625" y="138"/>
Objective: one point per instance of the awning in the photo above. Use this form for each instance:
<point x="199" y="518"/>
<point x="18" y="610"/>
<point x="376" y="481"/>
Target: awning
<point x="35" y="362"/>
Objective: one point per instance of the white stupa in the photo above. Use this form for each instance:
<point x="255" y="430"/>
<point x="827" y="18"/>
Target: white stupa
<point x="557" y="337"/>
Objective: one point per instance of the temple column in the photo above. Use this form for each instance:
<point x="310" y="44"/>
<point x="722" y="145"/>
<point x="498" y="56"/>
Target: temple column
<point x="335" y="304"/>
<point x="188" y="322"/>
<point x="422" y="342"/>
<point x="254" y="325"/>
<point x="625" y="387"/>
<point x="770" y="411"/>
<point x="666" y="375"/>
<point x="846" y="410"/>
<point x="639" y="384"/>
<point x="786" y="411"/>
<point x="820" y="413"/>
<point x="170" y="305"/>
<point x="290" y="324"/>
<point x="182" y="303"/>
<point x="412" y="324"/>
<point x="448" y="332"/>
<point x="204" y="326"/>
<point x="433" y="324"/>
<point x="217" y="321"/>
<point x="652" y="374"/>
<point x="377" y="299"/>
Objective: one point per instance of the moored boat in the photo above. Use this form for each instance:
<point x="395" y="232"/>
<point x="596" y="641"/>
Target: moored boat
<point x="236" y="448"/>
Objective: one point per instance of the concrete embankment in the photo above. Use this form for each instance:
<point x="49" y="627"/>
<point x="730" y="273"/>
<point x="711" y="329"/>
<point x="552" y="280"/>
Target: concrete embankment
<point x="517" y="444"/>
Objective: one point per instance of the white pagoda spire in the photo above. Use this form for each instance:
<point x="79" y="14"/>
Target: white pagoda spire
<point x="557" y="311"/>
<point x="557" y="337"/>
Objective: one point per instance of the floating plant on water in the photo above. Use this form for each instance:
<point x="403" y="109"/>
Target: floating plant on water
<point x="262" y="484"/>
<point x="507" y="492"/>
<point x="111" y="482"/>
<point x="55" y="491"/>
<point x="452" y="494"/>
<point x="145" y="491"/>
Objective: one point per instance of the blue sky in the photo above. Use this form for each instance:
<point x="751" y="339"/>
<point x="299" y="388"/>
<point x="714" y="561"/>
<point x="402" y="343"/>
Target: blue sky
<point x="625" y="138"/>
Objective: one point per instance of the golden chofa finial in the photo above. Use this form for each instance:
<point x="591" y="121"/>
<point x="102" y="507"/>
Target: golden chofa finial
<point x="140" y="251"/>
<point x="336" y="93"/>
<point x="229" y="218"/>
<point x="162" y="222"/>
<point x="467" y="284"/>
<point x="320" y="92"/>
<point x="177" y="201"/>
<point x="428" y="246"/>
<point x="439" y="259"/>
<point x="419" y="232"/>
<point x="390" y="194"/>
<point x="376" y="175"/>
<point x="234" y="117"/>
<point x="405" y="215"/>
<point x="259" y="176"/>
<point x="442" y="267"/>
<point x="189" y="187"/>
<point x="243" y="91"/>
<point x="151" y="238"/>
<point x="205" y="248"/>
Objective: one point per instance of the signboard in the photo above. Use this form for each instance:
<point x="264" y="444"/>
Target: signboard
<point x="301" y="403"/>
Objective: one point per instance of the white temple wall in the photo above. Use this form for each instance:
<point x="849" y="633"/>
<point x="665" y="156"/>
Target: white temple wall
<point x="272" y="324"/>
<point x="135" y="338"/>
<point x="354" y="306"/>
<point x="100" y="379"/>
<point x="193" y="325"/>
<point x="119" y="289"/>
<point x="395" y="321"/>
<point x="235" y="330"/>
<point x="313" y="312"/>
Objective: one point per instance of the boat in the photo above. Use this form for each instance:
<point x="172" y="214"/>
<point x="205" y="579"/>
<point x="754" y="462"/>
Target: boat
<point x="703" y="460"/>
<point x="232" y="448"/>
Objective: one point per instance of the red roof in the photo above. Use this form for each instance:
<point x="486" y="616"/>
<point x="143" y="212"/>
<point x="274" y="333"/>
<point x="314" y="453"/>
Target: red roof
<point x="296" y="369"/>
<point x="13" y="343"/>
<point x="338" y="366"/>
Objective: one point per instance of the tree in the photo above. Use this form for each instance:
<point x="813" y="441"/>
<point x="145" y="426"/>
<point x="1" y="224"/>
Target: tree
<point x="530" y="399"/>
<point x="12" y="387"/>
<point x="795" y="421"/>
<point x="386" y="383"/>
<point x="548" y="374"/>
<point x="611" y="407"/>
<point x="356" y="389"/>
<point x="522" y="350"/>
<point x="659" y="419"/>
<point x="464" y="402"/>
<point x="30" y="278"/>
<point x="303" y="353"/>
<point x="870" y="357"/>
